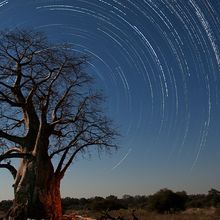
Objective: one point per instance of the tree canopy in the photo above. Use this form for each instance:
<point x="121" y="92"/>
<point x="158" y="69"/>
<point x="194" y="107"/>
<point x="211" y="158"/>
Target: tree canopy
<point x="48" y="109"/>
<point x="42" y="84"/>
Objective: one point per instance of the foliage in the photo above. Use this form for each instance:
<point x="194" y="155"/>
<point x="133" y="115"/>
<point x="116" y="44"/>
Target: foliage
<point x="177" y="201"/>
<point x="109" y="203"/>
<point x="166" y="201"/>
<point x="197" y="201"/>
<point x="5" y="205"/>
<point x="217" y="211"/>
<point x="213" y="197"/>
<point x="134" y="201"/>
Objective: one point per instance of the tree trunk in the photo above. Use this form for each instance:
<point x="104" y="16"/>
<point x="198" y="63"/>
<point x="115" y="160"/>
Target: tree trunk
<point x="37" y="191"/>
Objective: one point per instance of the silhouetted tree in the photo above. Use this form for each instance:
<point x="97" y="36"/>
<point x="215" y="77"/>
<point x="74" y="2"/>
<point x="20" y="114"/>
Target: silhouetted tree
<point x="47" y="111"/>
<point x="70" y="203"/>
<point x="197" y="201"/>
<point x="166" y="201"/>
<point x="213" y="197"/>
<point x="109" y="203"/>
<point x="129" y="201"/>
<point x="5" y="205"/>
<point x="111" y="198"/>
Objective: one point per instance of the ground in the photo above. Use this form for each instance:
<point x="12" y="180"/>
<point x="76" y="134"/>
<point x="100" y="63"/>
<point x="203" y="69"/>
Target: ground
<point x="190" y="214"/>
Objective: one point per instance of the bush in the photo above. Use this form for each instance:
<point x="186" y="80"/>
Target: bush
<point x="5" y="205"/>
<point x="106" y="204"/>
<point x="166" y="201"/>
<point x="217" y="210"/>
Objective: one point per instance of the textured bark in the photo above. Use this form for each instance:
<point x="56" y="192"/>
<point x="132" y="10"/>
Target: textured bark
<point x="37" y="192"/>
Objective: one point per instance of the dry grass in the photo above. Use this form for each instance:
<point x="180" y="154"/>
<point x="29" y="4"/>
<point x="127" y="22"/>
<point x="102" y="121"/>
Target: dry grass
<point x="191" y="214"/>
<point x="144" y="215"/>
<point x="2" y="214"/>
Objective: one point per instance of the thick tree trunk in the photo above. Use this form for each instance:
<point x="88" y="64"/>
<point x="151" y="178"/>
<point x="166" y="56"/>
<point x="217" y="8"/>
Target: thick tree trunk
<point x="37" y="191"/>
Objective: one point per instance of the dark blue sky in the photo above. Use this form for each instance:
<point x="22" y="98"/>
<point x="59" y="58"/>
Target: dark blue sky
<point x="158" y="62"/>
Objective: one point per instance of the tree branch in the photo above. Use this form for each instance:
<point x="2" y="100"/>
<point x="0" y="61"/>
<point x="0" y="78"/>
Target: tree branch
<point x="5" y="85"/>
<point x="72" y="143"/>
<point x="59" y="167"/>
<point x="16" y="87"/>
<point x="14" y="149"/>
<point x="15" y="155"/>
<point x="60" y="102"/>
<point x="62" y="172"/>
<point x="5" y="98"/>
<point x="13" y="138"/>
<point x="12" y="170"/>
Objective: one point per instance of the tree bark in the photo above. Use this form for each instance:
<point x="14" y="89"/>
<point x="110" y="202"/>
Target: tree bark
<point x="37" y="191"/>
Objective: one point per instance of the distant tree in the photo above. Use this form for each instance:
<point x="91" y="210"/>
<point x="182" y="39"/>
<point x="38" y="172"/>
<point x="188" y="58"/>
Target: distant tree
<point x="213" y="197"/>
<point x="70" y="203"/>
<point x="127" y="197"/>
<point x="5" y="205"/>
<point x="111" y="197"/>
<point x="47" y="112"/>
<point x="109" y="203"/>
<point x="83" y="202"/>
<point x="197" y="201"/>
<point x="134" y="202"/>
<point x="183" y="198"/>
<point x="128" y="201"/>
<point x="166" y="201"/>
<point x="140" y="202"/>
<point x="213" y="192"/>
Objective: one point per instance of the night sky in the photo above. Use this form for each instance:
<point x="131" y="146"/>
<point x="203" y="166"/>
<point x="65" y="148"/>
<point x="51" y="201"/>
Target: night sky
<point x="158" y="64"/>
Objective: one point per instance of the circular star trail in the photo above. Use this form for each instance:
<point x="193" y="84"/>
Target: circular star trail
<point x="157" y="62"/>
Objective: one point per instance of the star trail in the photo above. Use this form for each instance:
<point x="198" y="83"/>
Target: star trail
<point x="158" y="64"/>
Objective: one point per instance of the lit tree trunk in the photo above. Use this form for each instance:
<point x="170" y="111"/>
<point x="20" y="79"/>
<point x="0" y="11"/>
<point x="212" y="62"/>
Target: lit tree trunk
<point x="37" y="187"/>
<point x="37" y="192"/>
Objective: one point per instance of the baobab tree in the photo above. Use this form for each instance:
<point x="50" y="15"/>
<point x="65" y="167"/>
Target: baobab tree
<point x="48" y="112"/>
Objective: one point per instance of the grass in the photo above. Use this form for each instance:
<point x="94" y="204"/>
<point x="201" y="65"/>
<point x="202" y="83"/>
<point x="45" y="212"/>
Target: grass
<point x="191" y="214"/>
<point x="2" y="214"/>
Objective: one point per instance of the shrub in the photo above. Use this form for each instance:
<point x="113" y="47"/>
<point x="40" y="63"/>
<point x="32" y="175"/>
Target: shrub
<point x="166" y="201"/>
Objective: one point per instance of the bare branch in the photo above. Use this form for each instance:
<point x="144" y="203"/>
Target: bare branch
<point x="71" y="143"/>
<point x="6" y="99"/>
<point x="69" y="120"/>
<point x="11" y="168"/>
<point x="15" y="155"/>
<point x="62" y="172"/>
<point x="59" y="167"/>
<point x="94" y="143"/>
<point x="13" y="149"/>
<point x="13" y="138"/>
<point x="5" y="85"/>
<point x="60" y="102"/>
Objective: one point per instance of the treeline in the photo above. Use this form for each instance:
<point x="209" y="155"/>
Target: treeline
<point x="163" y="201"/>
